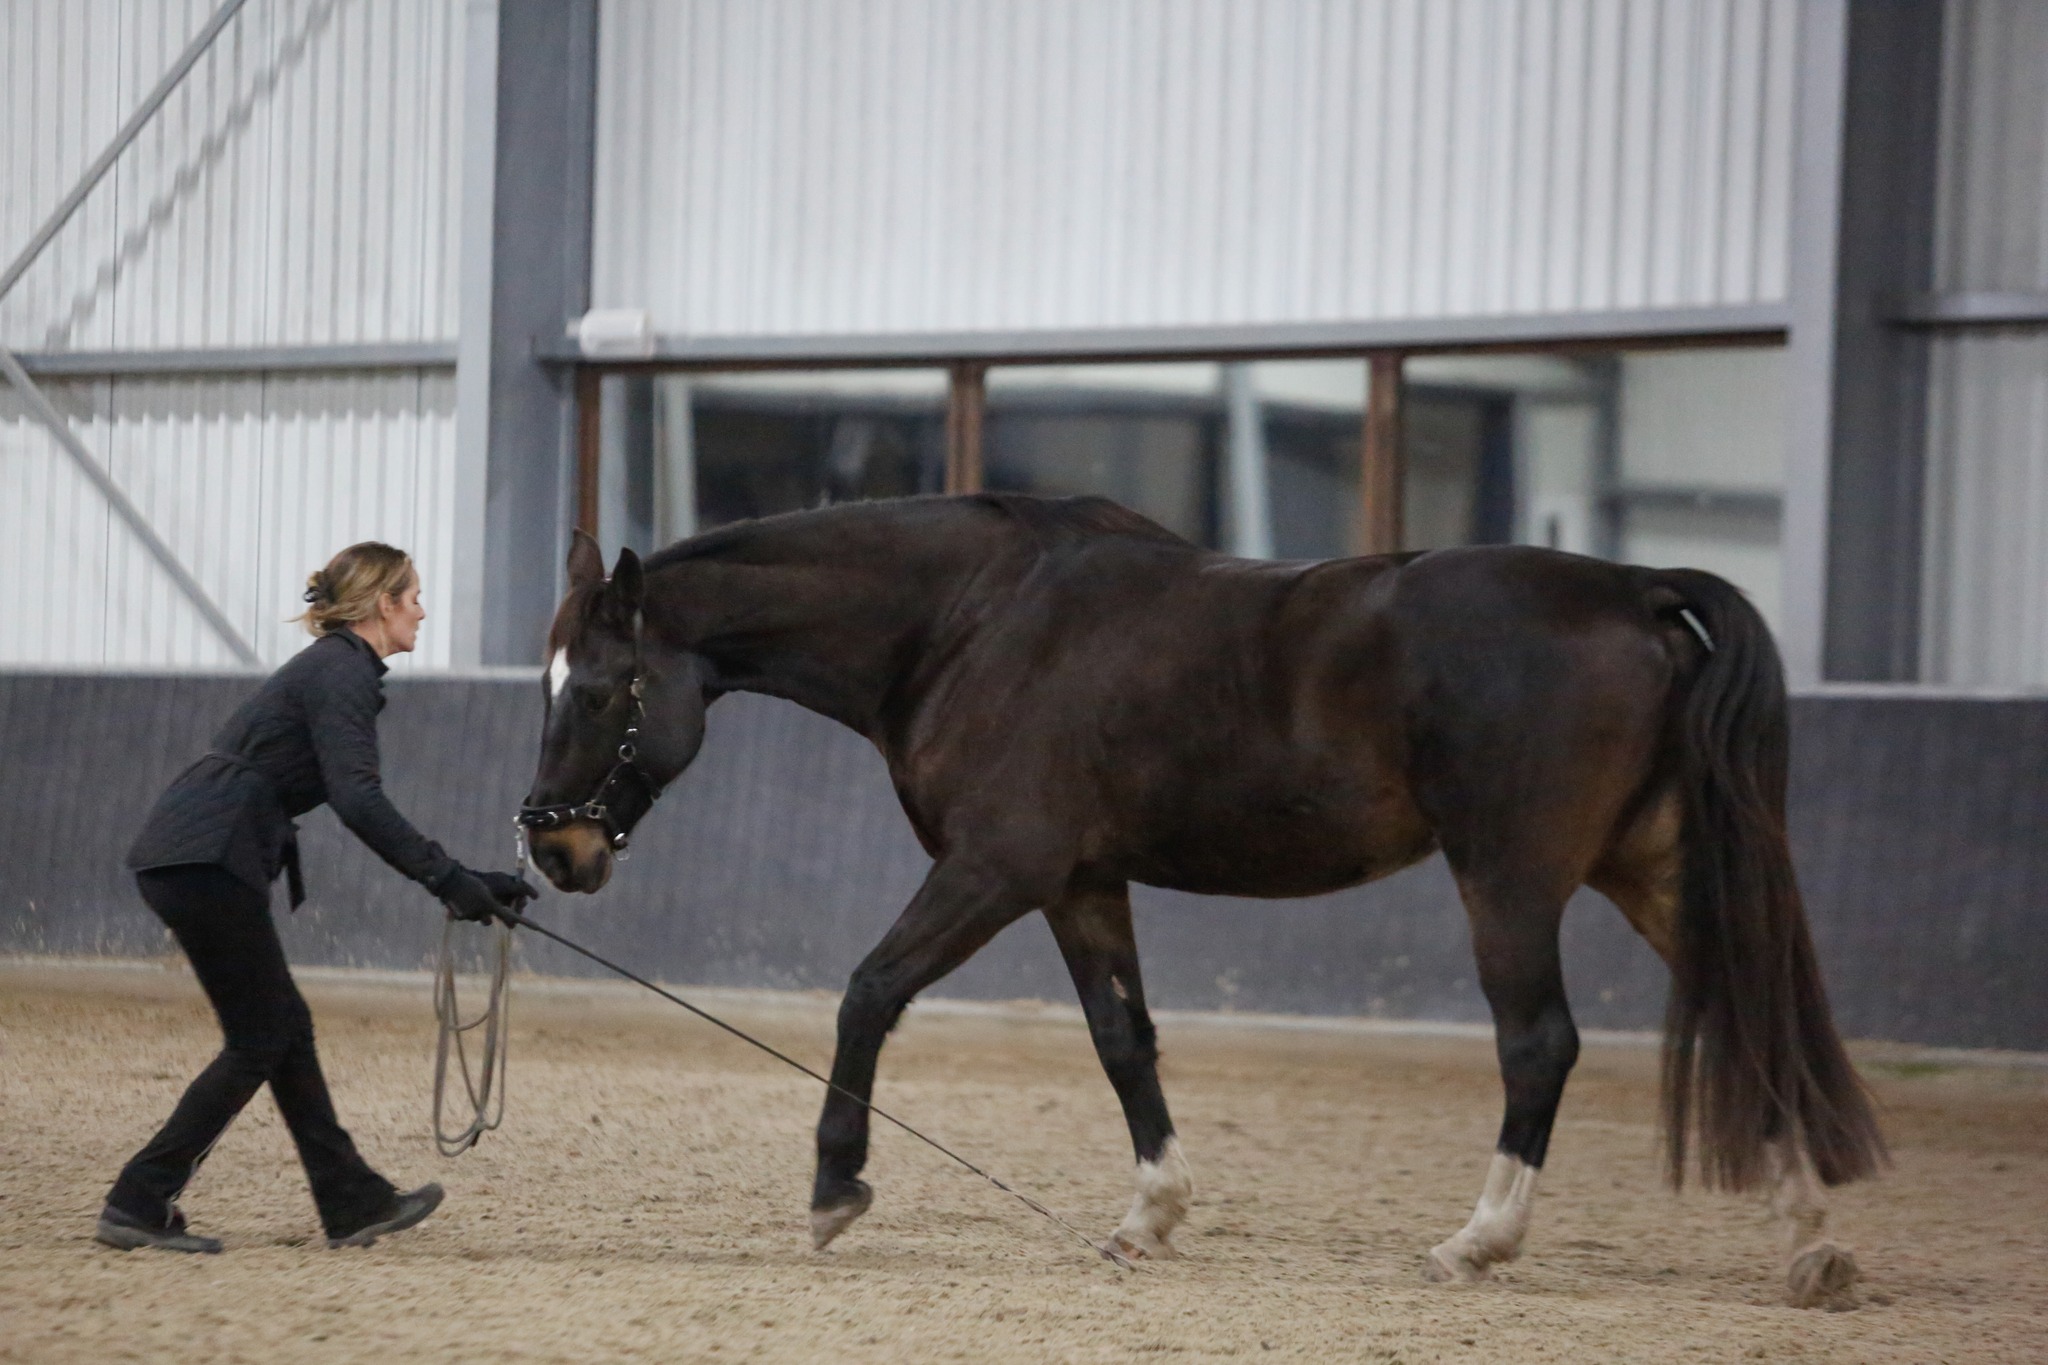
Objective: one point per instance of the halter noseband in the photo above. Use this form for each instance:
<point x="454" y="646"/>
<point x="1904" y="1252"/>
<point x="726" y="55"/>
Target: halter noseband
<point x="626" y="781"/>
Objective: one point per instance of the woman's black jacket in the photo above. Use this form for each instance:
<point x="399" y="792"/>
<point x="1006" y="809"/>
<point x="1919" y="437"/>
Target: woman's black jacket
<point x="308" y="735"/>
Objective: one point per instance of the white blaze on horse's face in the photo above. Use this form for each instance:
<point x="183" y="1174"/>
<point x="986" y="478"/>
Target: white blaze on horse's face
<point x="558" y="674"/>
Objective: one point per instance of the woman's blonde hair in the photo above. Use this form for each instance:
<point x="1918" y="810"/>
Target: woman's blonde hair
<point x="350" y="587"/>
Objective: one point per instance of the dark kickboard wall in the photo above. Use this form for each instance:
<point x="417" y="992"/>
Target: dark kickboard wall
<point x="1920" y="826"/>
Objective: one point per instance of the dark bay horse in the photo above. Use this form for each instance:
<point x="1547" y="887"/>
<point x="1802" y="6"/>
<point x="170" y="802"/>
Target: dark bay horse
<point x="1071" y="699"/>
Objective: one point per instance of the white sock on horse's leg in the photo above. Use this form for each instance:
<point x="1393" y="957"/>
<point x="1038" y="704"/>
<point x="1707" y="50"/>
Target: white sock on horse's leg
<point x="1817" y="1271"/>
<point x="1796" y="1198"/>
<point x="1165" y="1188"/>
<point x="1497" y="1226"/>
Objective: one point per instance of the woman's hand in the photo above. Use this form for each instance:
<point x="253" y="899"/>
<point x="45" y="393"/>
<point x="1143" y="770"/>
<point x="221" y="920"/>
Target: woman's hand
<point x="469" y="897"/>
<point x="511" y="889"/>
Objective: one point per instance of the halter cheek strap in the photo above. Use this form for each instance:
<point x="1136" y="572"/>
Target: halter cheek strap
<point x="626" y="792"/>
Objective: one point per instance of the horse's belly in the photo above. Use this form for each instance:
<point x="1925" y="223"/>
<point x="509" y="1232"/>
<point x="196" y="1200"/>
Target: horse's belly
<point x="1285" y="852"/>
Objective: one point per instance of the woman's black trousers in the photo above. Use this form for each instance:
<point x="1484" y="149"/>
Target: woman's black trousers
<point x="224" y="927"/>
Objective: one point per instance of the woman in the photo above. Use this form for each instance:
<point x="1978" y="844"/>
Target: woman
<point x="205" y="861"/>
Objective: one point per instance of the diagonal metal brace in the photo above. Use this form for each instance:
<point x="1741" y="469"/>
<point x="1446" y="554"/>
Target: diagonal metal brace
<point x="152" y="102"/>
<point x="39" y="403"/>
<point x="46" y="413"/>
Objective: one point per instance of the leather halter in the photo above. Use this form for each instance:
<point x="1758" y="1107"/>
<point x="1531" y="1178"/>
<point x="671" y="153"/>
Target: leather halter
<point x="625" y="793"/>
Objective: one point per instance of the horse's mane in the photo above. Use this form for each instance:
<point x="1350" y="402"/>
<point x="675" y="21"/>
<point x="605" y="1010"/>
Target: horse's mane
<point x="1049" y="521"/>
<point x="1055" y="520"/>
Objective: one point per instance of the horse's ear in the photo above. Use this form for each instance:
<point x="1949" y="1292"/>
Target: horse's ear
<point x="627" y="584"/>
<point x="586" y="561"/>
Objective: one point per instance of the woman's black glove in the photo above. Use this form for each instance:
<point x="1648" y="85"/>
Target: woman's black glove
<point x="468" y="896"/>
<point x="511" y="890"/>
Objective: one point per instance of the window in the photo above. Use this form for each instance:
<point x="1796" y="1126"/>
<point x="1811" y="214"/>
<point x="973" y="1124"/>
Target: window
<point x="684" y="453"/>
<point x="1671" y="457"/>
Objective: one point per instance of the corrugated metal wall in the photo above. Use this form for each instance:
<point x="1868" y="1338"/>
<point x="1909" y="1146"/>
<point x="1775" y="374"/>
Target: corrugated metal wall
<point x="1986" y="586"/>
<point x="253" y="483"/>
<point x="299" y="188"/>
<point x="797" y="166"/>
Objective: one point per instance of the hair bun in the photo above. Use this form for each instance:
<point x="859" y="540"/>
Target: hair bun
<point x="351" y="586"/>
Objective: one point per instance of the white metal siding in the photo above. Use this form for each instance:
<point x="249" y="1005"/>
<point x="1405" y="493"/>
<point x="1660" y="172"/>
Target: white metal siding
<point x="300" y="186"/>
<point x="800" y="166"/>
<point x="253" y="482"/>
<point x="1986" y="584"/>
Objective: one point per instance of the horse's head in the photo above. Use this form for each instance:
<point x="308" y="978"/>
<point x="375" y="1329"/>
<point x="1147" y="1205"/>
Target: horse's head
<point x="624" y="715"/>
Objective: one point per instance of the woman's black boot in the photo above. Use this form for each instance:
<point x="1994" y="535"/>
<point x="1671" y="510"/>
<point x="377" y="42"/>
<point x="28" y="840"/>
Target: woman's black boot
<point x="127" y="1232"/>
<point x="402" y="1212"/>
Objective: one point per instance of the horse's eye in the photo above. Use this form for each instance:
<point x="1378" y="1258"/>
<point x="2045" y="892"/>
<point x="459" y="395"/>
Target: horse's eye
<point x="593" y="700"/>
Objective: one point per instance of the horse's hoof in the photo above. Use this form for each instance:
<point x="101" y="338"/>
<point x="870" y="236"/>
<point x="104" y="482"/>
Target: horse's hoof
<point x="1139" y="1246"/>
<point x="1821" y="1277"/>
<point x="829" y="1222"/>
<point x="1448" y="1265"/>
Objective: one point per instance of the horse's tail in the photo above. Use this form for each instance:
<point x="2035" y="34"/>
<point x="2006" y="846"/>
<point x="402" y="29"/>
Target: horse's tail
<point x="1750" y="1050"/>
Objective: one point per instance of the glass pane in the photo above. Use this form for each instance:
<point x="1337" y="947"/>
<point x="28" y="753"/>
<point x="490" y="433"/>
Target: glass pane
<point x="1256" y="459"/>
<point x="1701" y="472"/>
<point x="1672" y="458"/>
<point x="1311" y="414"/>
<point x="683" y="453"/>
<point x="1145" y="435"/>
<point x="1498" y="451"/>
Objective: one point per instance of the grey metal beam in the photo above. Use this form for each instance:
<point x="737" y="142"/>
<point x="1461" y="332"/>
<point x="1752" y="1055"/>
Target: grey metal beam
<point x="1610" y="521"/>
<point x="223" y="360"/>
<point x="531" y="121"/>
<point x="1753" y="323"/>
<point x="1250" y="517"/>
<point x="468" y="519"/>
<point x="1966" y="309"/>
<point x="1885" y="249"/>
<point x="675" y="470"/>
<point x="1822" y="65"/>
<point x="151" y="102"/>
<point x="166" y="558"/>
<point x="1869" y="88"/>
<point x="1759" y="504"/>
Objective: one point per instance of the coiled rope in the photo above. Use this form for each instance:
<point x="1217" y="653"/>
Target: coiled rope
<point x="489" y="1085"/>
<point x="485" y="1086"/>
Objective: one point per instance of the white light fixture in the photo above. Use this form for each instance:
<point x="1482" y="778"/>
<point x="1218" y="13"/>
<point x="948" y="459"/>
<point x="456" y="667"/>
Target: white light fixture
<point x="615" y="332"/>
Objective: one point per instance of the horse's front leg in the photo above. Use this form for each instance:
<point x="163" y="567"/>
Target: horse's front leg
<point x="1092" y="924"/>
<point x="960" y="907"/>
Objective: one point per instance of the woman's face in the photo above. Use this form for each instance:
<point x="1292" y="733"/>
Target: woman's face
<point x="401" y="614"/>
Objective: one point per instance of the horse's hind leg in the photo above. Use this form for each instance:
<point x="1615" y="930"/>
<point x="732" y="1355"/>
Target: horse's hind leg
<point x="1642" y="874"/>
<point x="1817" y="1271"/>
<point x="959" y="908"/>
<point x="1092" y="924"/>
<point x="1514" y="938"/>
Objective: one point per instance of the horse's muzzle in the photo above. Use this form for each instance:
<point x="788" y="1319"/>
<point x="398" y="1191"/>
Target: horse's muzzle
<point x="573" y="857"/>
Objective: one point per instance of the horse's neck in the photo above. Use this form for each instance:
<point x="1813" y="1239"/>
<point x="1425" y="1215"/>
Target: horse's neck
<point x="833" y="634"/>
